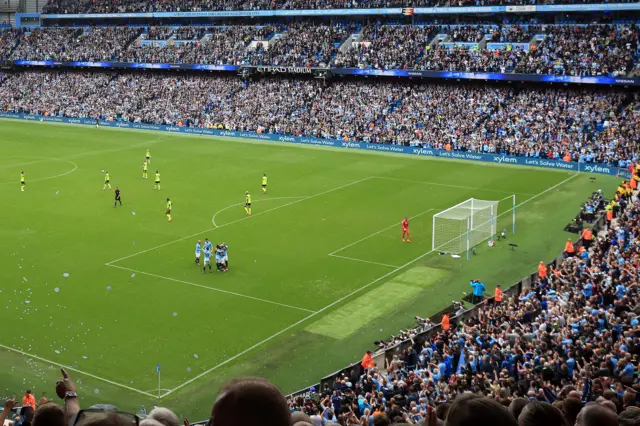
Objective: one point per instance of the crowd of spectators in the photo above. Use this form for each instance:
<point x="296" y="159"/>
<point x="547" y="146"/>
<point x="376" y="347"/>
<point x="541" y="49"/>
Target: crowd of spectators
<point x="8" y="40"/>
<point x="303" y="45"/>
<point x="563" y="124"/>
<point x="124" y="6"/>
<point x="388" y="47"/>
<point x="565" y="50"/>
<point x="584" y="50"/>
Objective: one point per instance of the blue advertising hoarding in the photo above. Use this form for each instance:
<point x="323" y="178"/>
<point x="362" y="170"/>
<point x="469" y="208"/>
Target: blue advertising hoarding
<point x="397" y="149"/>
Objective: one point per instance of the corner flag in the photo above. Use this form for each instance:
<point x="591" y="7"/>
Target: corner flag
<point x="158" y="368"/>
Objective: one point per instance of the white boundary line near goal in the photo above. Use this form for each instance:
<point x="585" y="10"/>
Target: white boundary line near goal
<point x="231" y="293"/>
<point x="84" y="373"/>
<point x="239" y="220"/>
<point x="451" y="186"/>
<point x="334" y="253"/>
<point x="337" y="256"/>
<point x="376" y="233"/>
<point x="213" y="219"/>
<point x="356" y="291"/>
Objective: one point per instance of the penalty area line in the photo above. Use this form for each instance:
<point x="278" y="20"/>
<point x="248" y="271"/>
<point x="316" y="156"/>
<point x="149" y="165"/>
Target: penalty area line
<point x="213" y="219"/>
<point x="340" y="300"/>
<point x="376" y="233"/>
<point x="84" y="373"/>
<point x="363" y="261"/>
<point x="231" y="293"/>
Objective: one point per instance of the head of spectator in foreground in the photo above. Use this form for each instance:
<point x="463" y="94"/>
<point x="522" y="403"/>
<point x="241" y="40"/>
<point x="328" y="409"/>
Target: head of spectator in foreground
<point x="250" y="401"/>
<point x="473" y="410"/>
<point x="629" y="417"/>
<point x="570" y="408"/>
<point x="594" y="414"/>
<point x="164" y="416"/>
<point x="101" y="417"/>
<point x="442" y="410"/>
<point x="517" y="405"/>
<point x="300" y="419"/>
<point x="49" y="415"/>
<point x="537" y="413"/>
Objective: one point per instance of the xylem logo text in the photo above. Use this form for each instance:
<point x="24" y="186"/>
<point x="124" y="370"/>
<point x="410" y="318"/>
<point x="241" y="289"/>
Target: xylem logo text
<point x="226" y="133"/>
<point x="507" y="160"/>
<point x="597" y="169"/>
<point x="286" y="139"/>
<point x="350" y="145"/>
<point x="421" y="151"/>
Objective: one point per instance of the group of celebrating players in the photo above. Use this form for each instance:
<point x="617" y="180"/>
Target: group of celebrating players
<point x="222" y="259"/>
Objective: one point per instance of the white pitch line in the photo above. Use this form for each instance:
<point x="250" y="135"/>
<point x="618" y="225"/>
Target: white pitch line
<point x="84" y="373"/>
<point x="213" y="219"/>
<point x="450" y="186"/>
<point x="363" y="261"/>
<point x="214" y="289"/>
<point x="240" y="220"/>
<point x="356" y="291"/>
<point x="376" y="233"/>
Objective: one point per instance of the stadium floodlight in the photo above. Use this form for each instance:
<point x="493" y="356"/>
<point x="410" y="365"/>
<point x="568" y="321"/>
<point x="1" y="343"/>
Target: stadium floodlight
<point x="465" y="225"/>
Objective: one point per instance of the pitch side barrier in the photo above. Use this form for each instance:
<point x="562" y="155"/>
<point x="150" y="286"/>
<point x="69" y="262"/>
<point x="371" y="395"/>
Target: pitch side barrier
<point x="364" y="146"/>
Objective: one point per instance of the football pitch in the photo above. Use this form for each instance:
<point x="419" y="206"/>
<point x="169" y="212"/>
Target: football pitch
<point x="316" y="274"/>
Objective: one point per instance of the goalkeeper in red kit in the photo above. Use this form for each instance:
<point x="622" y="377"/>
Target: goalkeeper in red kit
<point x="405" y="230"/>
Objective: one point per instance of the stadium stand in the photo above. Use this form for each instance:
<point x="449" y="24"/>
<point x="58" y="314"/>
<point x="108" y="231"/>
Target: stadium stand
<point x="561" y="348"/>
<point x="575" y="50"/>
<point x="568" y="124"/>
<point x="123" y="6"/>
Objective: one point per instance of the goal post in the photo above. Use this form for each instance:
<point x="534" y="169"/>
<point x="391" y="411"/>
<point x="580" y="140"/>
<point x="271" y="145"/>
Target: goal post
<point x="461" y="227"/>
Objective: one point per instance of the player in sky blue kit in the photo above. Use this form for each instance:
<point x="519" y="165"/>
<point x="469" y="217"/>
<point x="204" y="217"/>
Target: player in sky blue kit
<point x="198" y="249"/>
<point x="219" y="258"/>
<point x="207" y="260"/>
<point x="208" y="244"/>
<point x="225" y="257"/>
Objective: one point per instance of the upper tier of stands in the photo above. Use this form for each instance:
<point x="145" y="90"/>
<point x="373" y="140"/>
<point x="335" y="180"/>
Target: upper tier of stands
<point x="124" y="6"/>
<point x="574" y="50"/>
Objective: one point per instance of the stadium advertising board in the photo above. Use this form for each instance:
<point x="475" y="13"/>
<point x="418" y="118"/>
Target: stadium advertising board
<point x="399" y="149"/>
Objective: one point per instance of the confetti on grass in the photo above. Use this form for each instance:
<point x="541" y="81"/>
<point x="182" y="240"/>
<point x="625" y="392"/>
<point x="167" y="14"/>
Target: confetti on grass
<point x="195" y="355"/>
<point x="56" y="289"/>
<point x="66" y="275"/>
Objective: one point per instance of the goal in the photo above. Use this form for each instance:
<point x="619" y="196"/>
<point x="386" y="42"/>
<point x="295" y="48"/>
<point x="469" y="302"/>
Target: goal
<point x="465" y="225"/>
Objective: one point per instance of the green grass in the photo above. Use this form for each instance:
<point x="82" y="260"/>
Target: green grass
<point x="286" y="310"/>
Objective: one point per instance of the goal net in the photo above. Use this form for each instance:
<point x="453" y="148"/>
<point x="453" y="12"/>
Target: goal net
<point x="463" y="226"/>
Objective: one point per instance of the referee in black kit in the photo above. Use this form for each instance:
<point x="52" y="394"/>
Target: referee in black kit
<point x="115" y="203"/>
